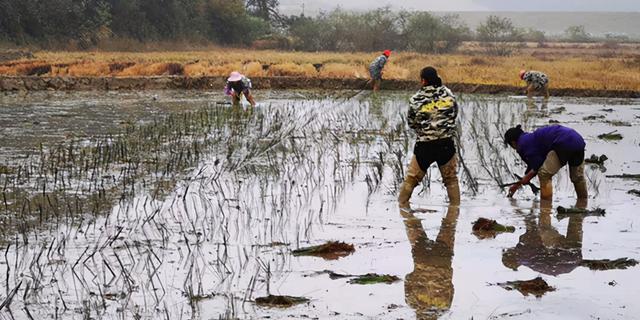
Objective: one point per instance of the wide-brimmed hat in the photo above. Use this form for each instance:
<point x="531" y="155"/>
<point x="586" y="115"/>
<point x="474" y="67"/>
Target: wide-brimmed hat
<point x="235" y="76"/>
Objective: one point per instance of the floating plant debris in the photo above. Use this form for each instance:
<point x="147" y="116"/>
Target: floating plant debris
<point x="537" y="287"/>
<point x="331" y="250"/>
<point x="280" y="301"/>
<point x="606" y="264"/>
<point x="372" y="278"/>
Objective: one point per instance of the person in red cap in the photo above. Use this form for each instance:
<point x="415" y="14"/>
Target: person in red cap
<point x="536" y="82"/>
<point x="376" y="69"/>
<point x="238" y="85"/>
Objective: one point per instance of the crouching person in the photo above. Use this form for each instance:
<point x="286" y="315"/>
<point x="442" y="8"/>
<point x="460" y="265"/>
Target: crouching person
<point x="536" y="82"/>
<point x="432" y="115"/>
<point x="545" y="151"/>
<point x="237" y="86"/>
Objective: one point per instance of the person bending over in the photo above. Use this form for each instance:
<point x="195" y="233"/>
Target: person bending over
<point x="545" y="151"/>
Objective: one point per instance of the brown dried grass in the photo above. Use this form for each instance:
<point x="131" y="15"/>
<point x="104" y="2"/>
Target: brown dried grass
<point x="573" y="69"/>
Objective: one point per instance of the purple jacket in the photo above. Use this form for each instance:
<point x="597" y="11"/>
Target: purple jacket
<point x="533" y="147"/>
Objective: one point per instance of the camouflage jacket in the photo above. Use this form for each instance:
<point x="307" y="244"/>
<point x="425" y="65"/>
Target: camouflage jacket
<point x="432" y="113"/>
<point x="375" y="68"/>
<point x="536" y="78"/>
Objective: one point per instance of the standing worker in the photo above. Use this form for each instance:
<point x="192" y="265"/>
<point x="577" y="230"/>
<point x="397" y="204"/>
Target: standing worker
<point x="432" y="115"/>
<point x="376" y="69"/>
<point x="545" y="151"/>
<point x="536" y="82"/>
<point x="238" y="85"/>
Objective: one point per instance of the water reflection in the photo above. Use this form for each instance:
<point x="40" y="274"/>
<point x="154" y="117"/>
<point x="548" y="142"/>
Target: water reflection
<point x="429" y="288"/>
<point x="537" y="110"/>
<point x="542" y="248"/>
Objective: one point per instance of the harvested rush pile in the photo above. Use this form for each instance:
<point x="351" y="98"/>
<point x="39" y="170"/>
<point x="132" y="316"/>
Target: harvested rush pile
<point x="329" y="251"/>
<point x="537" y="287"/>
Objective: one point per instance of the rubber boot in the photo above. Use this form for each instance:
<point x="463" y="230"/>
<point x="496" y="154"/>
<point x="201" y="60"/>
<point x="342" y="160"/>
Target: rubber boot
<point x="450" y="180"/>
<point x="413" y="178"/>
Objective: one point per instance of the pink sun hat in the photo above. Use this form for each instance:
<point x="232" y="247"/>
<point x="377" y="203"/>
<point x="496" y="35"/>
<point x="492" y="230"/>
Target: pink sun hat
<point x="235" y="76"/>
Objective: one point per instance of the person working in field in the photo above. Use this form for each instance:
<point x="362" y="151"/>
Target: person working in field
<point x="432" y="115"/>
<point x="376" y="69"/>
<point x="545" y="151"/>
<point x="536" y="82"/>
<point x="238" y="85"/>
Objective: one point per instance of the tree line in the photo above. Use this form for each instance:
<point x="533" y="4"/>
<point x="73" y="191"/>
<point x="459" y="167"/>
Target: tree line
<point x="86" y="23"/>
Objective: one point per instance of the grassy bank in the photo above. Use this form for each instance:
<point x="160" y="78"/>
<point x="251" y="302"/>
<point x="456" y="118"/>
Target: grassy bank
<point x="609" y="70"/>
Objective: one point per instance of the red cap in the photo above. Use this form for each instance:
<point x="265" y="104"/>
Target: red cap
<point x="387" y="53"/>
<point x="522" y="72"/>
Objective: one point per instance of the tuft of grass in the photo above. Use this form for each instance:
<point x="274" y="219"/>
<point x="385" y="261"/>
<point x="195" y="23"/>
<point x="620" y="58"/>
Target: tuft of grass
<point x="373" y="278"/>
<point x="611" y="136"/>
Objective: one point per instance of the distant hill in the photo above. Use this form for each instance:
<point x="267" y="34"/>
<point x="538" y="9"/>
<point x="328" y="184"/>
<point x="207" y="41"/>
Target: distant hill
<point x="552" y="23"/>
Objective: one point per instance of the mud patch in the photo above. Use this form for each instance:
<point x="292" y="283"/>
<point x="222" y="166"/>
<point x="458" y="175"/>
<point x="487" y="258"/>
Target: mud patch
<point x="537" y="287"/>
<point x="606" y="264"/>
<point x="485" y="228"/>
<point x="331" y="250"/>
<point x="634" y="192"/>
<point x="272" y="301"/>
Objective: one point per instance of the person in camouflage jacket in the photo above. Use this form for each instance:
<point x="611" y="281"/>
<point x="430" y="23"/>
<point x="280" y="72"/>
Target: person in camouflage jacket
<point x="536" y="82"/>
<point x="432" y="115"/>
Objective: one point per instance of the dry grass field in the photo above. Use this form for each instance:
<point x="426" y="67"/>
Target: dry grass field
<point x="596" y="67"/>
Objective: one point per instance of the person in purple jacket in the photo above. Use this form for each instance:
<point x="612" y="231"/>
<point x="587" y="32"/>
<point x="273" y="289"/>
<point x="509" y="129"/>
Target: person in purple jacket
<point x="545" y="151"/>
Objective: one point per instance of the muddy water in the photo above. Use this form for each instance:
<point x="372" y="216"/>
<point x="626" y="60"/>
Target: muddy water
<point x="307" y="169"/>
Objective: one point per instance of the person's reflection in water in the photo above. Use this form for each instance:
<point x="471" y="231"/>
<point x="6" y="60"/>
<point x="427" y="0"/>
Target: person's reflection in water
<point x="429" y="288"/>
<point x="534" y="111"/>
<point x="543" y="249"/>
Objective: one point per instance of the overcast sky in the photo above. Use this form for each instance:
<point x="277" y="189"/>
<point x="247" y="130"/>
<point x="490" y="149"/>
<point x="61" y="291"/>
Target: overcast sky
<point x="470" y="5"/>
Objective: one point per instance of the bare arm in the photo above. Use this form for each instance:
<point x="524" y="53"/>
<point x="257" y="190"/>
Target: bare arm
<point x="525" y="180"/>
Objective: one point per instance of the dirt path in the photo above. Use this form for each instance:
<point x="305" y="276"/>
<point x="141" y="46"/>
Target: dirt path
<point x="35" y="83"/>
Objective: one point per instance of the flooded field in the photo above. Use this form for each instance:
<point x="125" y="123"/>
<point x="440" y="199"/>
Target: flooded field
<point x="174" y="205"/>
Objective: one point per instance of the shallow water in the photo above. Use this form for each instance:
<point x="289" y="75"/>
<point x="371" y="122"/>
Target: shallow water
<point x="325" y="169"/>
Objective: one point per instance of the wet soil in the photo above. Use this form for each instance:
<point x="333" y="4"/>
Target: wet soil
<point x="36" y="83"/>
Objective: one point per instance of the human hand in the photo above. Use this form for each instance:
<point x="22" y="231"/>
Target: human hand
<point x="513" y="189"/>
